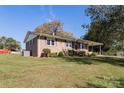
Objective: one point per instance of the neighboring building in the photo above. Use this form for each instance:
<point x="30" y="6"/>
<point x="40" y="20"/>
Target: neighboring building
<point x="120" y="54"/>
<point x="36" y="42"/>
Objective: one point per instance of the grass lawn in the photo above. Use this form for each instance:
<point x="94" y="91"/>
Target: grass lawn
<point x="18" y="71"/>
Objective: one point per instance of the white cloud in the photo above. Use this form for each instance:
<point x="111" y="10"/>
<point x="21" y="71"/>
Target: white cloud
<point x="47" y="13"/>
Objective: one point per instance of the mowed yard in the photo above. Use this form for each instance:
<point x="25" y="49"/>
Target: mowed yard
<point x="77" y="72"/>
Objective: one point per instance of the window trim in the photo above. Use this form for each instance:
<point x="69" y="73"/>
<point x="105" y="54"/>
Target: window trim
<point x="68" y="44"/>
<point x="51" y="42"/>
<point x="82" y="46"/>
<point x="48" y="42"/>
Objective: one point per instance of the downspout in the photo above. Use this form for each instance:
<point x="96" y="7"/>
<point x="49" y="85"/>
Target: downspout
<point x="38" y="47"/>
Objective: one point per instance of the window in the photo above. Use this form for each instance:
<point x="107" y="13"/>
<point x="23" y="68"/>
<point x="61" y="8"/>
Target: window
<point x="48" y="42"/>
<point x="52" y="42"/>
<point x="30" y="42"/>
<point x="68" y="44"/>
<point x="81" y="46"/>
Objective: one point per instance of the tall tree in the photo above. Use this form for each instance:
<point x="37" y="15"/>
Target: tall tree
<point x="50" y="27"/>
<point x="55" y="27"/>
<point x="107" y="25"/>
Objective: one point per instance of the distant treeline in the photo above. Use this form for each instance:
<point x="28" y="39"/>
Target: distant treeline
<point x="9" y="43"/>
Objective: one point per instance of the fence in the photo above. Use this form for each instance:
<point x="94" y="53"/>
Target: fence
<point x="5" y="51"/>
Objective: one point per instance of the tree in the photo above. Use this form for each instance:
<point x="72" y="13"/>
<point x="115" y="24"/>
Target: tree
<point x="2" y="42"/>
<point x="107" y="25"/>
<point x="9" y="43"/>
<point x="12" y="44"/>
<point x="55" y="27"/>
<point x="50" y="27"/>
<point x="64" y="34"/>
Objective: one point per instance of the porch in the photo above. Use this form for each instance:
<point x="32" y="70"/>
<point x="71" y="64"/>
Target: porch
<point x="87" y="46"/>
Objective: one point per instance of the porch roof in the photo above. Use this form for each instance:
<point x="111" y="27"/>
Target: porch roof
<point x="90" y="43"/>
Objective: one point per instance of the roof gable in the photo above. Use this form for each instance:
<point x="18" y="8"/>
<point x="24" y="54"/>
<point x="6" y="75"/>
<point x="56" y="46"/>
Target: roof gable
<point x="29" y="36"/>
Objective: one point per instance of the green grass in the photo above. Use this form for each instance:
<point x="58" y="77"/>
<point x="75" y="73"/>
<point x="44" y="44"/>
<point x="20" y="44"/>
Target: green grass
<point x="18" y="71"/>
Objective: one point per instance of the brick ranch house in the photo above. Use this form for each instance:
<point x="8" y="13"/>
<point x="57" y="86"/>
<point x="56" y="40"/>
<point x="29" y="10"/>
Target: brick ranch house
<point x="36" y="42"/>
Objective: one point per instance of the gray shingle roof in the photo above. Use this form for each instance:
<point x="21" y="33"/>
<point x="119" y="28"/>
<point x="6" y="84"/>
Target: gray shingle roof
<point x="88" y="42"/>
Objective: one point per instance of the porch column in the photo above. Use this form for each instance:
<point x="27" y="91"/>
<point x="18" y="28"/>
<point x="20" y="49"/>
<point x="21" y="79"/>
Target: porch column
<point x="38" y="47"/>
<point x="73" y="45"/>
<point x="92" y="47"/>
<point x="100" y="50"/>
<point x="88" y="47"/>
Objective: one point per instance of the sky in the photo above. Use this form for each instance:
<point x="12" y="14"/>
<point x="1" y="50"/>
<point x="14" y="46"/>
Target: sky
<point x="16" y="21"/>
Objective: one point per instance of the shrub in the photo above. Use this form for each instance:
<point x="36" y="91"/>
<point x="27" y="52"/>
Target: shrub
<point x="46" y="51"/>
<point x="81" y="53"/>
<point x="76" y="53"/>
<point x="53" y="55"/>
<point x="61" y="54"/>
<point x="93" y="55"/>
<point x="111" y="51"/>
<point x="71" y="52"/>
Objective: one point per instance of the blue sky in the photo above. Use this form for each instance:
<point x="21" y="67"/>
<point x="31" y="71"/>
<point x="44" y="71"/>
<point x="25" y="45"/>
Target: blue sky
<point x="15" y="21"/>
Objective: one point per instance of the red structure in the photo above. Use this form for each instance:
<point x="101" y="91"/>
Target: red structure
<point x="5" y="51"/>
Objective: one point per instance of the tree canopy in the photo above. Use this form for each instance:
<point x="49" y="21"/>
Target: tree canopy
<point x="55" y="27"/>
<point x="107" y="25"/>
<point x="9" y="43"/>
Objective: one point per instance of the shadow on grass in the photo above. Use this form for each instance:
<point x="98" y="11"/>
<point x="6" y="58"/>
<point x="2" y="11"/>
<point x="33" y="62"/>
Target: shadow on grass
<point x="96" y="60"/>
<point x="121" y="81"/>
<point x="91" y="85"/>
<point x="110" y="60"/>
<point x="115" y="83"/>
<point x="79" y="60"/>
